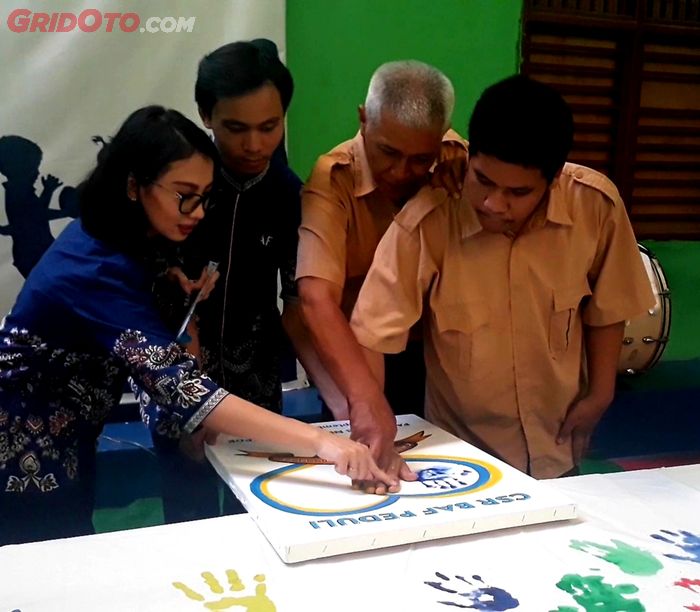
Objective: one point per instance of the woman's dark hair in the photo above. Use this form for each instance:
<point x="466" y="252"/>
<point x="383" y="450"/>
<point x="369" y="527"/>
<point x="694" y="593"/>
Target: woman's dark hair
<point x="146" y="144"/>
<point x="239" y="68"/>
<point x="522" y="121"/>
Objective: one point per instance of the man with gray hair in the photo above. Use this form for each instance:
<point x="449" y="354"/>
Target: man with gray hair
<point x="354" y="193"/>
<point x="419" y="94"/>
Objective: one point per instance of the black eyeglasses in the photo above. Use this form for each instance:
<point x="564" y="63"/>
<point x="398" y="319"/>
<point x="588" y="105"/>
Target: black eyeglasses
<point x="188" y="202"/>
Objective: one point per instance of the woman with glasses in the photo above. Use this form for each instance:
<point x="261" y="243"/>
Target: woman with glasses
<point x="85" y="321"/>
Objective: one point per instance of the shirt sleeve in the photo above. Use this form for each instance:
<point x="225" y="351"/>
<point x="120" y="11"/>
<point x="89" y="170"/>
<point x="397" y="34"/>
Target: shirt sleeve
<point x="621" y="287"/>
<point x="173" y="394"/>
<point x="391" y="298"/>
<point x="325" y="205"/>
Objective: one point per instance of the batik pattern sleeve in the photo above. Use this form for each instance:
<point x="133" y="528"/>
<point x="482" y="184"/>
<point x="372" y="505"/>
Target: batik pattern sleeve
<point x="118" y="314"/>
<point x="174" y="396"/>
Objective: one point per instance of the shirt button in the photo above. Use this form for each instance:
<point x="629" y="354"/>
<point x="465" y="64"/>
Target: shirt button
<point x="579" y="174"/>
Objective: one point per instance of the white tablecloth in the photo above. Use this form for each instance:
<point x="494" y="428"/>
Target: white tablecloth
<point x="637" y="543"/>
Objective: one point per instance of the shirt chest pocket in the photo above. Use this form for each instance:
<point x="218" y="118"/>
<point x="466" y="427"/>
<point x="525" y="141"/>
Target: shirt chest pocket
<point x="564" y="322"/>
<point x="461" y="330"/>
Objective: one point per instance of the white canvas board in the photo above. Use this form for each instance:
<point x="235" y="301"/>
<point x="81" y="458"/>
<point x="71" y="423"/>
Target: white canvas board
<point x="307" y="511"/>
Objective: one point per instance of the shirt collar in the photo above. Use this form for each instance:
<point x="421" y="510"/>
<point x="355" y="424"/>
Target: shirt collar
<point x="468" y="220"/>
<point x="244" y="185"/>
<point x="554" y="210"/>
<point x="364" y="182"/>
<point x="557" y="210"/>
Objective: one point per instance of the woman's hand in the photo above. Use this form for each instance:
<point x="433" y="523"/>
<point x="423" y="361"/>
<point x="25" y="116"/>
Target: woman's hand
<point x="351" y="458"/>
<point x="205" y="282"/>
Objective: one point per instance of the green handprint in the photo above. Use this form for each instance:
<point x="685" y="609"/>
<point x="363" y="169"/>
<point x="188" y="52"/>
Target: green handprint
<point x="631" y="560"/>
<point x="259" y="602"/>
<point x="598" y="596"/>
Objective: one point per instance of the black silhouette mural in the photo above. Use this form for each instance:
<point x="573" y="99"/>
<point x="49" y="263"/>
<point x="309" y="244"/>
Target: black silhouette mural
<point x="28" y="213"/>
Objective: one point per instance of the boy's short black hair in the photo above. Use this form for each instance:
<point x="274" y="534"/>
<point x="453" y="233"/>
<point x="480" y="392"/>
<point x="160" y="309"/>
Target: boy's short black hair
<point x="240" y="68"/>
<point x="146" y="144"/>
<point x="522" y="121"/>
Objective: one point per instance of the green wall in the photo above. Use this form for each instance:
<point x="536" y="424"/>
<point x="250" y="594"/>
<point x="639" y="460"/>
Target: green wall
<point x="333" y="46"/>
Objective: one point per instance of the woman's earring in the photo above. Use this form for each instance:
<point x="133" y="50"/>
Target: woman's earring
<point x="132" y="188"/>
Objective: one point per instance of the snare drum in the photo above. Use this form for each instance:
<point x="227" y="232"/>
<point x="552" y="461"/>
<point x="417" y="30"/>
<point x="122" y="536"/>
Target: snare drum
<point x="646" y="336"/>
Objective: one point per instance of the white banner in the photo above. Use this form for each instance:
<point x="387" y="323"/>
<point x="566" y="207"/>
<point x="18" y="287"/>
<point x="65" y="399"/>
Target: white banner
<point x="72" y="71"/>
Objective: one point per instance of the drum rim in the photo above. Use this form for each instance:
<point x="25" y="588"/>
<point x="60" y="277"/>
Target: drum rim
<point x="665" y="310"/>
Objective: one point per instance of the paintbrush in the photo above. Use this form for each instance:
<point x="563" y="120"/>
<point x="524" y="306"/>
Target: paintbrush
<point x="182" y="335"/>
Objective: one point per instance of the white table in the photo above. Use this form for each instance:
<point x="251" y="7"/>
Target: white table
<point x="611" y="544"/>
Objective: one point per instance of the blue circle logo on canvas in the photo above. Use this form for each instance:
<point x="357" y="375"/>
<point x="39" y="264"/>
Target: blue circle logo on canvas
<point x="315" y="490"/>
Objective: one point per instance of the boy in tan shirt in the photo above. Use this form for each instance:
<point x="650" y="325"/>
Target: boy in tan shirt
<point x="522" y="287"/>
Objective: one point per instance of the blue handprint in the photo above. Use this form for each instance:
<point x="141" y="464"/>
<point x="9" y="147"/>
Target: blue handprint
<point x="478" y="597"/>
<point x="439" y="477"/>
<point x="685" y="540"/>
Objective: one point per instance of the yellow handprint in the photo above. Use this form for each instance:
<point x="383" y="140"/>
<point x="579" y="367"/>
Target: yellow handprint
<point x="259" y="602"/>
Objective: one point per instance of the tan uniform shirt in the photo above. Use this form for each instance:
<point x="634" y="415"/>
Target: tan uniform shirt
<point x="344" y="217"/>
<point x="503" y="318"/>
